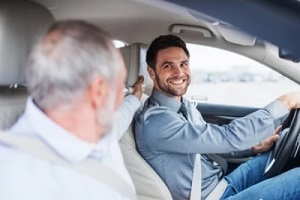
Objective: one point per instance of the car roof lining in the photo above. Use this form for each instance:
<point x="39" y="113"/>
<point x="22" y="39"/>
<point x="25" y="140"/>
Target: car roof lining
<point x="140" y="21"/>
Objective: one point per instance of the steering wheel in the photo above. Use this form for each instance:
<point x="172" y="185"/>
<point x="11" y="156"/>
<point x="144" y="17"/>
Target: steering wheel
<point x="286" y="146"/>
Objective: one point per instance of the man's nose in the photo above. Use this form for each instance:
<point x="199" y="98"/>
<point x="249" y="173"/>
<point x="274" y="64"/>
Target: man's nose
<point x="177" y="70"/>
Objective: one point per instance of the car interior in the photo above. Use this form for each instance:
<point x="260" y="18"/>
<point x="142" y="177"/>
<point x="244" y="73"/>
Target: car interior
<point x="136" y="23"/>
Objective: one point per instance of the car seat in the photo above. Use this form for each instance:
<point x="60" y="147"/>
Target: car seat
<point x="147" y="183"/>
<point x="21" y="23"/>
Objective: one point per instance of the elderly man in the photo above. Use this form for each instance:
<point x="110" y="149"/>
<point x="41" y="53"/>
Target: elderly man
<point x="75" y="78"/>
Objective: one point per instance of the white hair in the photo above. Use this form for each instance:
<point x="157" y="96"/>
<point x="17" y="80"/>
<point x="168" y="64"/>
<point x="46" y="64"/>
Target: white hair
<point x="65" y="61"/>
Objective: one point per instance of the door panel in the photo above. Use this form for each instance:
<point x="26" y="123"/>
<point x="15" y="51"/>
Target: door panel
<point x="222" y="114"/>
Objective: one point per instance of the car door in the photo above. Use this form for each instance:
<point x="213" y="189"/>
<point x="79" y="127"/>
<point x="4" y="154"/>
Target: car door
<point x="222" y="114"/>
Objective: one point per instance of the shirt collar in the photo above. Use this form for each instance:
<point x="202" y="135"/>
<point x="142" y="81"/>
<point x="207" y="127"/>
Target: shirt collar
<point x="165" y="100"/>
<point x="60" y="140"/>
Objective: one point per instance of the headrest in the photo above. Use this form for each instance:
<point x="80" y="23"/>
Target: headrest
<point x="135" y="60"/>
<point x="21" y="23"/>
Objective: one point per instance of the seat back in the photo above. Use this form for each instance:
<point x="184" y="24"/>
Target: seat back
<point x="147" y="183"/>
<point x="21" y="23"/>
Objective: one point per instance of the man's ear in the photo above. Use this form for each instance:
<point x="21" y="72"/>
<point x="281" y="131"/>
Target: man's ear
<point x="151" y="72"/>
<point x="98" y="92"/>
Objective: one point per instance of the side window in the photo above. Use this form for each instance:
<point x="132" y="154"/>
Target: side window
<point x="118" y="43"/>
<point x="222" y="77"/>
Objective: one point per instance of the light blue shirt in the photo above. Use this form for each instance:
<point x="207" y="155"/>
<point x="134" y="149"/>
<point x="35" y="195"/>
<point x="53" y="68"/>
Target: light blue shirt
<point x="23" y="176"/>
<point x="169" y="142"/>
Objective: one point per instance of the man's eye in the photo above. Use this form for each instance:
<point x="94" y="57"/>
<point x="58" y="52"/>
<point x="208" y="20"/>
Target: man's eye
<point x="166" y="66"/>
<point x="184" y="64"/>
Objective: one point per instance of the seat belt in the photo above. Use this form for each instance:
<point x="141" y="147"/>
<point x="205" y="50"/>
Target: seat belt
<point x="218" y="191"/>
<point x="197" y="180"/>
<point x="89" y="167"/>
<point x="219" y="160"/>
<point x="197" y="183"/>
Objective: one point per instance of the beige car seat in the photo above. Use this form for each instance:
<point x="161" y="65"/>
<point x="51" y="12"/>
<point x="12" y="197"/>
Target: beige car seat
<point x="147" y="183"/>
<point x="21" y="23"/>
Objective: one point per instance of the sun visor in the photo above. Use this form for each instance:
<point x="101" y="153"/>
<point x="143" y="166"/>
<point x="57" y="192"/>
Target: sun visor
<point x="134" y="57"/>
<point x="235" y="36"/>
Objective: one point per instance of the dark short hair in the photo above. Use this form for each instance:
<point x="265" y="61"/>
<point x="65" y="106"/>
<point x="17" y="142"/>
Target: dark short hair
<point x="163" y="42"/>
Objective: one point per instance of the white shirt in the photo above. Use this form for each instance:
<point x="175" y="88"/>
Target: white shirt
<point x="23" y="176"/>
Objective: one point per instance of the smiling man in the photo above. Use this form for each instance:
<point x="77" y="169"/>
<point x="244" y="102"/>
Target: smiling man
<point x="170" y="131"/>
<point x="168" y="78"/>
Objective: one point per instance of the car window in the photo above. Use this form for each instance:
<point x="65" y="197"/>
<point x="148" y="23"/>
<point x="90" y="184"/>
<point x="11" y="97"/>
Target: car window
<point x="223" y="77"/>
<point x="119" y="43"/>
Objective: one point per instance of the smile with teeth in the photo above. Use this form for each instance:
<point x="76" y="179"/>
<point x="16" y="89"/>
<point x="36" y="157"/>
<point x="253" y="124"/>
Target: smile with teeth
<point x="177" y="82"/>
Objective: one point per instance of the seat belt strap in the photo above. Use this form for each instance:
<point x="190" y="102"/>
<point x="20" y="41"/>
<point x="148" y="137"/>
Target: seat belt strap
<point x="219" y="160"/>
<point x="197" y="184"/>
<point x="197" y="180"/>
<point x="89" y="167"/>
<point x="218" y="191"/>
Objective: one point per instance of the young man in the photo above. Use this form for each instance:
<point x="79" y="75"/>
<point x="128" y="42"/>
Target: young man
<point x="75" y="78"/>
<point x="169" y="136"/>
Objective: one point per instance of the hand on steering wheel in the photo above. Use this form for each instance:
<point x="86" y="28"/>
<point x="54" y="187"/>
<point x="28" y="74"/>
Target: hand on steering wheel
<point x="287" y="145"/>
<point x="267" y="143"/>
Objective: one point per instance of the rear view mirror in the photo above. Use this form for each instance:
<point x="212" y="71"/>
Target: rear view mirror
<point x="285" y="54"/>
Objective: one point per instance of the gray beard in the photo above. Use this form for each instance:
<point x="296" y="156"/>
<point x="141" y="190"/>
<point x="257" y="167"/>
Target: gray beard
<point x="107" y="115"/>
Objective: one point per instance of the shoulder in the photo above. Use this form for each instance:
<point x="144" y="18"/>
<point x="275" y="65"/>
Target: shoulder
<point x="34" y="178"/>
<point x="21" y="172"/>
<point x="154" y="112"/>
<point x="18" y="163"/>
<point x="155" y="118"/>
